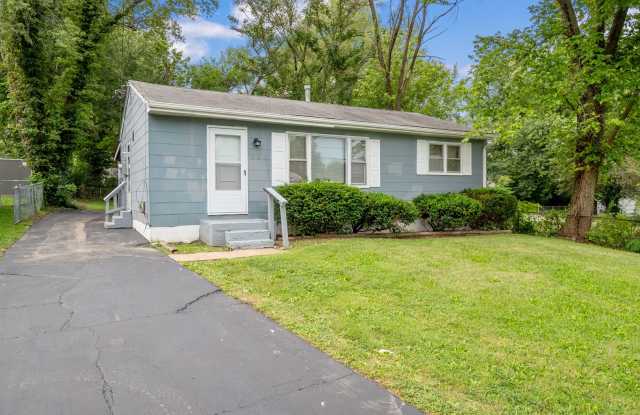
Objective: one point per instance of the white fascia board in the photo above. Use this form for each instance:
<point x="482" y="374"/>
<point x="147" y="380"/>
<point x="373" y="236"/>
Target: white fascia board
<point x="162" y="108"/>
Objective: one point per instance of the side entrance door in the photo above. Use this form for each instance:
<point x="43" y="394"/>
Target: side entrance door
<point x="227" y="190"/>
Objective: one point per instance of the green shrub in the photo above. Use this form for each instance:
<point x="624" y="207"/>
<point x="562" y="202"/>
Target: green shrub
<point x="448" y="211"/>
<point x="633" y="246"/>
<point x="320" y="207"/>
<point x="528" y="207"/>
<point x="525" y="220"/>
<point x="524" y="223"/>
<point x="550" y="222"/>
<point x="612" y="232"/>
<point x="498" y="208"/>
<point x="384" y="212"/>
<point x="64" y="194"/>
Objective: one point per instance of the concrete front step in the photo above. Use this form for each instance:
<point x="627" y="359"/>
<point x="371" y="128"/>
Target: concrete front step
<point x="251" y="244"/>
<point x="122" y="220"/>
<point x="212" y="231"/>
<point x="246" y="235"/>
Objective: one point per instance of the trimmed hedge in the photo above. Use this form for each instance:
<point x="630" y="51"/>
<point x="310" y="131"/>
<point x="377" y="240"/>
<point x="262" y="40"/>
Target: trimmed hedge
<point x="322" y="207"/>
<point x="499" y="208"/>
<point x="384" y="212"/>
<point x="448" y="211"/>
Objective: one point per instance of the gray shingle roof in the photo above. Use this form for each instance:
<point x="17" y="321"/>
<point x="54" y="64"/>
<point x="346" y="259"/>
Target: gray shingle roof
<point x="162" y="94"/>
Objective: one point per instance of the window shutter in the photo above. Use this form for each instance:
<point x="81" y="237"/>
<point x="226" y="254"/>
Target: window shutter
<point x="373" y="163"/>
<point x="467" y="157"/>
<point x="279" y="159"/>
<point x="422" y="161"/>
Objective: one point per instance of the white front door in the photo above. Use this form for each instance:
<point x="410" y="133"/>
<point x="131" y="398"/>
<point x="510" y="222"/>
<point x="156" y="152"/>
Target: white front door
<point x="227" y="171"/>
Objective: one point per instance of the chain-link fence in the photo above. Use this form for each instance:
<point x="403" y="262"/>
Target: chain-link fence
<point x="27" y="200"/>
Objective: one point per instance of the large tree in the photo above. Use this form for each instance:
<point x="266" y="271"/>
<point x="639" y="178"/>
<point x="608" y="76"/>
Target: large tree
<point x="48" y="51"/>
<point x="577" y="63"/>
<point x="293" y="43"/>
<point x="400" y="44"/>
<point x="434" y="90"/>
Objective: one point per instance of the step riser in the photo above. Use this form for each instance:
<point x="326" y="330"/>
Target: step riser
<point x="252" y="235"/>
<point x="212" y="232"/>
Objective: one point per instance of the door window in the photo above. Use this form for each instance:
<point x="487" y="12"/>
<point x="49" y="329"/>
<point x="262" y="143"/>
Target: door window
<point x="228" y="163"/>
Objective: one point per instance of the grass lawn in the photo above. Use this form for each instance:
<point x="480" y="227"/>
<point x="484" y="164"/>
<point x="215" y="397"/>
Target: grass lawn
<point x="9" y="233"/>
<point x="90" y="205"/>
<point x="492" y="324"/>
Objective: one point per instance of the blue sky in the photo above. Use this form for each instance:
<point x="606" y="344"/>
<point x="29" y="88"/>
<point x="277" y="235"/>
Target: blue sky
<point x="208" y="37"/>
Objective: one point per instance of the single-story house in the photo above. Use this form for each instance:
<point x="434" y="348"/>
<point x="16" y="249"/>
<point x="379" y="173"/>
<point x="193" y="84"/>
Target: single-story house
<point x="194" y="164"/>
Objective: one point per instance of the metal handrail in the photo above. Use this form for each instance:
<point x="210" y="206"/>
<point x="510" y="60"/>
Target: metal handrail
<point x="117" y="201"/>
<point x="114" y="191"/>
<point x="272" y="195"/>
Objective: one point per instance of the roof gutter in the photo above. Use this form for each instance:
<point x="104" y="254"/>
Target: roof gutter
<point x="162" y="108"/>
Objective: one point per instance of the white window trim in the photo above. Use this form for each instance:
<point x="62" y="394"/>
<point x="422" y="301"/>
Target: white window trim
<point x="347" y="139"/>
<point x="444" y="155"/>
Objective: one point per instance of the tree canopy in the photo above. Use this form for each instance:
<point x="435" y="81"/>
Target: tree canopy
<point x="576" y="68"/>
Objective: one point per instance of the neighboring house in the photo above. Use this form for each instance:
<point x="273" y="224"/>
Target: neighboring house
<point x="194" y="163"/>
<point x="12" y="173"/>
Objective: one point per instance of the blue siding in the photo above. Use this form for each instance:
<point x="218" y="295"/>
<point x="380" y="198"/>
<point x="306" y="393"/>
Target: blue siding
<point x="178" y="175"/>
<point x="135" y="138"/>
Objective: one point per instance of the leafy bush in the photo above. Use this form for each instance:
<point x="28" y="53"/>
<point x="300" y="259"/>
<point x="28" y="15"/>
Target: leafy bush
<point x="384" y="212"/>
<point x="64" y="194"/>
<point x="612" y="232"/>
<point x="550" y="222"/>
<point x="498" y="208"/>
<point x="528" y="207"/>
<point x="448" y="211"/>
<point x="524" y="223"/>
<point x="320" y="207"/>
<point x="633" y="246"/>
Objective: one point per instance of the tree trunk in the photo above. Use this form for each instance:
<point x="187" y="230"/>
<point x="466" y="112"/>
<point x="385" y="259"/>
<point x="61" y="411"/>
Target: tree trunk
<point x="581" y="206"/>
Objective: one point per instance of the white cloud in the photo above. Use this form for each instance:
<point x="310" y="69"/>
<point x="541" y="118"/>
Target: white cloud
<point x="198" y="33"/>
<point x="200" y="28"/>
<point x="196" y="49"/>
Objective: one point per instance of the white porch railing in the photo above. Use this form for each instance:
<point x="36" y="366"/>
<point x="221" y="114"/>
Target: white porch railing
<point x="117" y="197"/>
<point x="273" y="195"/>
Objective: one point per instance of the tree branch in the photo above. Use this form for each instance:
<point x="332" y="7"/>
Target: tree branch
<point x="124" y="11"/>
<point x="376" y="34"/>
<point x="615" y="33"/>
<point x="626" y="113"/>
<point x="569" y="14"/>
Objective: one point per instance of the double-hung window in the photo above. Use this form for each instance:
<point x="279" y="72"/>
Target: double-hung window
<point x="327" y="157"/>
<point x="358" y="162"/>
<point x="297" y="158"/>
<point x="444" y="158"/>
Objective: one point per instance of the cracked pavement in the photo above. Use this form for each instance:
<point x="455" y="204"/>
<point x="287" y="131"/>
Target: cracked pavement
<point x="93" y="321"/>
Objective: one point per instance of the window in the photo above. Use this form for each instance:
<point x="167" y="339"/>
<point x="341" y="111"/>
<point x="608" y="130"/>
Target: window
<point x="358" y="162"/>
<point x="328" y="155"/>
<point x="325" y="157"/>
<point x="445" y="158"/>
<point x="227" y="163"/>
<point x="453" y="159"/>
<point x="436" y="158"/>
<point x="297" y="158"/>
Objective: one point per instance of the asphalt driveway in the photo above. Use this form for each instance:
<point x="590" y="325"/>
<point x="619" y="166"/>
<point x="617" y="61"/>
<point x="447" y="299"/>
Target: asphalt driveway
<point x="93" y="321"/>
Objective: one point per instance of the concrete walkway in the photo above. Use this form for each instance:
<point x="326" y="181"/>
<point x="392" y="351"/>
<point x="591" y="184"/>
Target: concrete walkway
<point x="216" y="256"/>
<point x="93" y="321"/>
